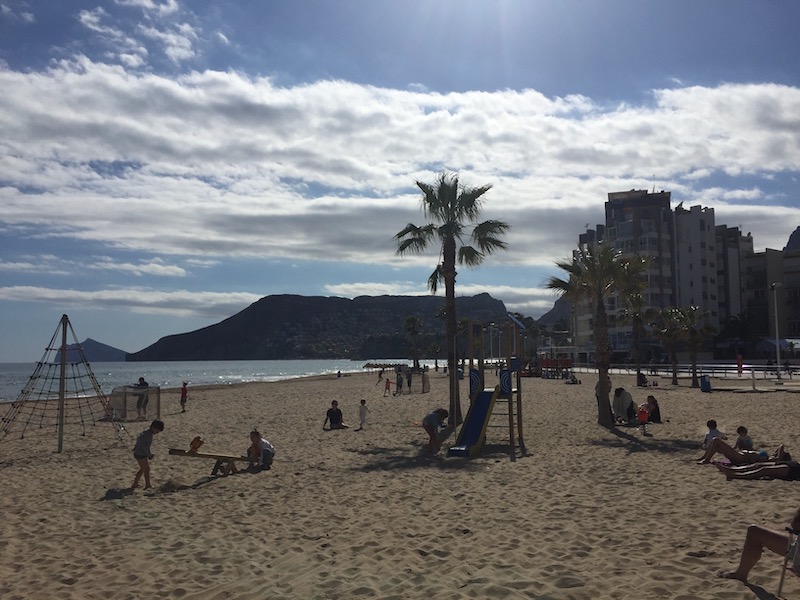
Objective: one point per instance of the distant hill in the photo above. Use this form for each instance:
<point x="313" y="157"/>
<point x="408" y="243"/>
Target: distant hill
<point x="95" y="352"/>
<point x="559" y="313"/>
<point x="314" y="327"/>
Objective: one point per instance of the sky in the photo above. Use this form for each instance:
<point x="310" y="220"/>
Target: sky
<point x="164" y="164"/>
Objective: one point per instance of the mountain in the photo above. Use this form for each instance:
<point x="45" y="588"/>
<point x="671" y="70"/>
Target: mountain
<point x="313" y="327"/>
<point x="95" y="352"/>
<point x="793" y="245"/>
<point x="559" y="313"/>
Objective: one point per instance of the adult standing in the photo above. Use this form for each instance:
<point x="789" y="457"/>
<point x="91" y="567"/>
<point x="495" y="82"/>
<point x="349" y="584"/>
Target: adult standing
<point x="141" y="398"/>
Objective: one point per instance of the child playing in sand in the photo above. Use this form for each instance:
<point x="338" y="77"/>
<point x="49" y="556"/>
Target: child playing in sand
<point x="141" y="452"/>
<point x="432" y="424"/>
<point x="184" y="396"/>
<point x="362" y="415"/>
<point x="387" y="388"/>
<point x="743" y="441"/>
<point x="712" y="434"/>
<point x="261" y="452"/>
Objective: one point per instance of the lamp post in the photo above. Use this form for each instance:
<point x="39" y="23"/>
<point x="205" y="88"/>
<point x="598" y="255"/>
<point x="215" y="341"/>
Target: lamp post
<point x="774" y="287"/>
<point x="491" y="342"/>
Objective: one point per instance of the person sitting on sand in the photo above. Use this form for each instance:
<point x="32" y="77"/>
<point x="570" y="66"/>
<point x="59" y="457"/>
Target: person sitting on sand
<point x="623" y="406"/>
<point x="432" y="424"/>
<point x="653" y="409"/>
<point x="740" y="457"/>
<point x="141" y="452"/>
<point x="743" y="441"/>
<point x="334" y="416"/>
<point x="712" y="434"/>
<point x="786" y="469"/>
<point x="755" y="541"/>
<point x="261" y="452"/>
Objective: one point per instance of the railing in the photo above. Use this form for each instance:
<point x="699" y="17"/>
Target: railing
<point x="717" y="370"/>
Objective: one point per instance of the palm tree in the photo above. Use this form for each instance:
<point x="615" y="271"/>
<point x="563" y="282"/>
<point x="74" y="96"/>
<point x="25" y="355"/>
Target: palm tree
<point x="694" y="331"/>
<point x="449" y="208"/>
<point x="595" y="272"/>
<point x="667" y="328"/>
<point x="413" y="327"/>
<point x="633" y="298"/>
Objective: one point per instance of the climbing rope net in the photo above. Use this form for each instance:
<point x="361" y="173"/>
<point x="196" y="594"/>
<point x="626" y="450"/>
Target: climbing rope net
<point x="62" y="395"/>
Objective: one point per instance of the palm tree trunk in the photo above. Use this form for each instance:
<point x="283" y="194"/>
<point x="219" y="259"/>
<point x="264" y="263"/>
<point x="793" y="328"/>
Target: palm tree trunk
<point x="693" y="358"/>
<point x="449" y="273"/>
<point x="674" y="356"/>
<point x="603" y="362"/>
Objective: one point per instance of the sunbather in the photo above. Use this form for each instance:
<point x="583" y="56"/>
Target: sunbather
<point x="740" y="457"/>
<point x="755" y="541"/>
<point x="783" y="469"/>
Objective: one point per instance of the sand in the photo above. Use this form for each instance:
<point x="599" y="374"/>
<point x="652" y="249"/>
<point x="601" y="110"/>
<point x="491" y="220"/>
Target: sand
<point x="588" y="513"/>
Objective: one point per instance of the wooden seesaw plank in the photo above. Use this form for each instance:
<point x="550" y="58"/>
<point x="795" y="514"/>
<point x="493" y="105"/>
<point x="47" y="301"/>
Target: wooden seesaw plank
<point x="225" y="464"/>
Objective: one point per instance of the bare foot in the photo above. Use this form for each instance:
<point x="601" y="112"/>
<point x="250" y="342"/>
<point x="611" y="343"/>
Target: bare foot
<point x="731" y="575"/>
<point x="147" y="487"/>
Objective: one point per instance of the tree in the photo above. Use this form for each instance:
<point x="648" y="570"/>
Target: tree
<point x="595" y="272"/>
<point x="450" y="208"/>
<point x="694" y="331"/>
<point x="632" y="295"/>
<point x="413" y="327"/>
<point x="667" y="328"/>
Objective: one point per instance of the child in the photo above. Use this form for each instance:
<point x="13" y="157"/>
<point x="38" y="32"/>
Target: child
<point x="362" y="414"/>
<point x="141" y="452"/>
<point x="184" y="396"/>
<point x="644" y="416"/>
<point x="387" y="388"/>
<point x="743" y="441"/>
<point x="712" y="433"/>
<point x="261" y="452"/>
<point x="432" y="423"/>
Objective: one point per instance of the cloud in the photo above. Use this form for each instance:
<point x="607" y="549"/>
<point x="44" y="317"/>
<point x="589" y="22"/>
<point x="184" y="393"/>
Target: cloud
<point x="142" y="300"/>
<point x="211" y="164"/>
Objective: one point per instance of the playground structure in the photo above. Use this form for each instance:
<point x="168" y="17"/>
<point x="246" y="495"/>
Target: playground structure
<point x="61" y="396"/>
<point x="484" y="400"/>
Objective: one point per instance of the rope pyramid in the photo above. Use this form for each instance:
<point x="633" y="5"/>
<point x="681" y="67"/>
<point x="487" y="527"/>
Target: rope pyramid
<point x="62" y="395"/>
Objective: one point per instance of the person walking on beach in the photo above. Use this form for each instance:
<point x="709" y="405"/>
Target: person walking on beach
<point x="380" y="376"/>
<point x="387" y="388"/>
<point x="408" y="380"/>
<point x="362" y="415"/>
<point x="142" y="454"/>
<point x="141" y="398"/>
<point x="399" y="385"/>
<point x="184" y="396"/>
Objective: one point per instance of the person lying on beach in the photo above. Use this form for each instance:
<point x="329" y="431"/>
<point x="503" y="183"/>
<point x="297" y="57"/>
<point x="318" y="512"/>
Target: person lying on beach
<point x="740" y="457"/>
<point x="261" y="452"/>
<point x="788" y="470"/>
<point x="755" y="541"/>
<point x="141" y="452"/>
<point x="432" y="423"/>
<point x="334" y="416"/>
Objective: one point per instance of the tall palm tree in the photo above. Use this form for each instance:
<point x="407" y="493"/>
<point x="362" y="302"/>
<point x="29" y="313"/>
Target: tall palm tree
<point x="595" y="272"/>
<point x="694" y="331"/>
<point x="632" y="296"/>
<point x="668" y="329"/>
<point x="413" y="325"/>
<point x="450" y="208"/>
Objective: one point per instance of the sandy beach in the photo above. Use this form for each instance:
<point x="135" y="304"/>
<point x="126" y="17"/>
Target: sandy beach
<point x="588" y="513"/>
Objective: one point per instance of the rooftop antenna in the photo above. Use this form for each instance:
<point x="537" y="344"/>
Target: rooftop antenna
<point x="654" y="183"/>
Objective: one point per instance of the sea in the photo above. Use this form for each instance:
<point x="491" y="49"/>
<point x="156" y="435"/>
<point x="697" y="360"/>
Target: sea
<point x="15" y="376"/>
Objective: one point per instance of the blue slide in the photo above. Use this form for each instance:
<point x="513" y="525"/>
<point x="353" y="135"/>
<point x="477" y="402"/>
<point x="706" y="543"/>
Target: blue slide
<point x="473" y="431"/>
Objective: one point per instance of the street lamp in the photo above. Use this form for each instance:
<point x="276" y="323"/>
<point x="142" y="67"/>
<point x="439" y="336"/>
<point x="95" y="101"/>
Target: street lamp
<point x="774" y="287"/>
<point x="491" y="342"/>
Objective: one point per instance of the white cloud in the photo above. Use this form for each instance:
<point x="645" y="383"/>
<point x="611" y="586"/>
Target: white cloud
<point x="215" y="164"/>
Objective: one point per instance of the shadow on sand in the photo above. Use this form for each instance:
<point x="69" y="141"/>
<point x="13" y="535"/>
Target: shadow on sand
<point x="637" y="443"/>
